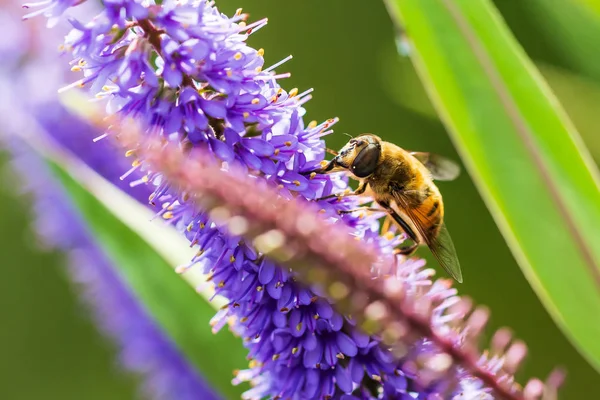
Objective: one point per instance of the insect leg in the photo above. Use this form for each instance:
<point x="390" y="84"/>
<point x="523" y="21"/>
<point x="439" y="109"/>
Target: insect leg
<point x="342" y="212"/>
<point x="405" y="227"/>
<point x="359" y="190"/>
<point x="387" y="224"/>
<point x="408" y="250"/>
<point x="328" y="167"/>
<point x="338" y="195"/>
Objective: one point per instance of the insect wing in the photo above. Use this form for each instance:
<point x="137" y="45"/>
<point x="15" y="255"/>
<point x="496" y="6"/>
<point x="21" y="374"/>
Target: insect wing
<point x="441" y="168"/>
<point x="440" y="245"/>
<point x="442" y="248"/>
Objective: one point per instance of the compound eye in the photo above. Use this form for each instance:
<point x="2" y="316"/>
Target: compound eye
<point x="366" y="161"/>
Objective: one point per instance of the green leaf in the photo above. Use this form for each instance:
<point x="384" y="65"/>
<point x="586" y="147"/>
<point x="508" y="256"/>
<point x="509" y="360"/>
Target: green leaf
<point x="145" y="253"/>
<point x="592" y="6"/>
<point x="572" y="28"/>
<point x="526" y="158"/>
<point x="581" y="99"/>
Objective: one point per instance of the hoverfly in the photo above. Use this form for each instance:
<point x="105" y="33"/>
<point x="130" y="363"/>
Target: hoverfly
<point x="402" y="183"/>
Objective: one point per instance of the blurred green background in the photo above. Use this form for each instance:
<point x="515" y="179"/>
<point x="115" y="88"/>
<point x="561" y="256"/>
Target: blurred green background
<point x="346" y="51"/>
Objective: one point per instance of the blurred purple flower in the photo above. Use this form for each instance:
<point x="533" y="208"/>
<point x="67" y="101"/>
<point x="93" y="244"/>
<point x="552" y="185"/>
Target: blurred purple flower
<point x="76" y="135"/>
<point x="52" y="9"/>
<point x="144" y="348"/>
<point x="184" y="71"/>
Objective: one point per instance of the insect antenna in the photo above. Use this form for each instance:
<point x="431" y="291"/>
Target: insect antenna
<point x="347" y="134"/>
<point x="332" y="152"/>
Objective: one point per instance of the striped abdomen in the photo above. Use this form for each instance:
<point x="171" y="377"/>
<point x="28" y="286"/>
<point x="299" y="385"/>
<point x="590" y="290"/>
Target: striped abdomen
<point x="430" y="212"/>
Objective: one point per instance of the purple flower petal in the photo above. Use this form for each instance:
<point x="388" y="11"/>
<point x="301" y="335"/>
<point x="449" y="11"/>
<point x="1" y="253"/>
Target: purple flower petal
<point x="259" y="147"/>
<point x="214" y="108"/>
<point x="313" y="357"/>
<point x="346" y="345"/>
<point x="222" y="150"/>
<point x="249" y="159"/>
<point x="343" y="380"/>
<point x="284" y="142"/>
<point x="294" y="181"/>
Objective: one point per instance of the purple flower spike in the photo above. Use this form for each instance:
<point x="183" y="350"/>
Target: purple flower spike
<point x="422" y="340"/>
<point x="76" y="136"/>
<point x="342" y="337"/>
<point x="144" y="348"/>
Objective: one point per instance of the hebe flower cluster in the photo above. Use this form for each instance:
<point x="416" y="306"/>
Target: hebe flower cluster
<point x="143" y="348"/>
<point x="183" y="70"/>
